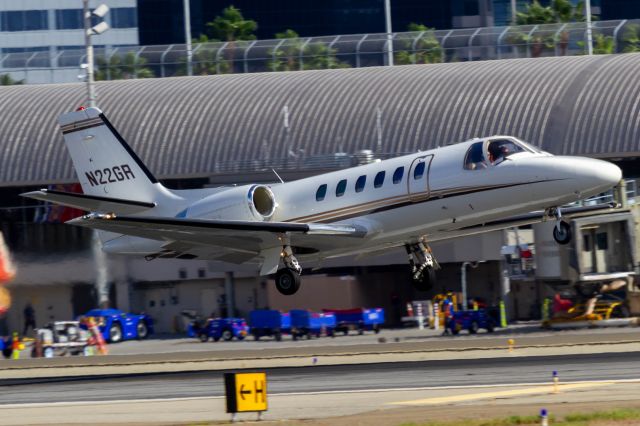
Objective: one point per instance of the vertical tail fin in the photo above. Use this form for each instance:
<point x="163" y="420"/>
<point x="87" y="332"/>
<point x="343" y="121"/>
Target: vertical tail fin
<point x="104" y="162"/>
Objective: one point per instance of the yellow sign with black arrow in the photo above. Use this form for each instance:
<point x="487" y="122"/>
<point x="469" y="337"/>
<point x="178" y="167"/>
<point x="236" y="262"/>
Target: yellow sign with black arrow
<point x="246" y="392"/>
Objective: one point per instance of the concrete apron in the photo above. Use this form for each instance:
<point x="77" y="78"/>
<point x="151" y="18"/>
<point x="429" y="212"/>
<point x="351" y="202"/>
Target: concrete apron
<point x="351" y="355"/>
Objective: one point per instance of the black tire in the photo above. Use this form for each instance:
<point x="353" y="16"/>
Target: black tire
<point x="427" y="280"/>
<point x="345" y="331"/>
<point x="256" y="336"/>
<point x="142" y="330"/>
<point x="287" y="281"/>
<point x="454" y="331"/>
<point x="278" y="336"/>
<point x="203" y="337"/>
<point x="473" y="327"/>
<point x="620" y="311"/>
<point x="227" y="335"/>
<point x="115" y="333"/>
<point x="563" y="234"/>
<point x="294" y="336"/>
<point x="376" y="329"/>
<point x="308" y="335"/>
<point x="490" y="327"/>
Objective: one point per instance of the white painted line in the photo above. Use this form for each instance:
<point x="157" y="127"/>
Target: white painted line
<point x="354" y="391"/>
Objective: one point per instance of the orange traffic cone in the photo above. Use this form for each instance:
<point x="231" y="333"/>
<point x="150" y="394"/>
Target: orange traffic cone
<point x="7" y="270"/>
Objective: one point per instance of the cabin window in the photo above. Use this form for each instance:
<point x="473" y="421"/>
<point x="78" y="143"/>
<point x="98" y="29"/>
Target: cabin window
<point x="500" y="149"/>
<point x="397" y="175"/>
<point x="362" y="180"/>
<point x="379" y="180"/>
<point x="474" y="159"/>
<point x="418" y="172"/>
<point x="341" y="187"/>
<point x="321" y="192"/>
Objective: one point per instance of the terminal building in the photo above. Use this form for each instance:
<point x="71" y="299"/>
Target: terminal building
<point x="195" y="132"/>
<point x="47" y="37"/>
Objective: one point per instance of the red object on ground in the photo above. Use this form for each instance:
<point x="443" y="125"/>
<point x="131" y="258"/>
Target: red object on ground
<point x="560" y="304"/>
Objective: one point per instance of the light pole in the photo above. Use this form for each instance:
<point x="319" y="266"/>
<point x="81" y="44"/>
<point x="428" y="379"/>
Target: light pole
<point x="587" y="11"/>
<point x="388" y="30"/>
<point x="187" y="35"/>
<point x="513" y="12"/>
<point x="89" y="31"/>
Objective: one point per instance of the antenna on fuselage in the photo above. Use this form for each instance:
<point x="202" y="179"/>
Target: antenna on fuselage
<point x="277" y="175"/>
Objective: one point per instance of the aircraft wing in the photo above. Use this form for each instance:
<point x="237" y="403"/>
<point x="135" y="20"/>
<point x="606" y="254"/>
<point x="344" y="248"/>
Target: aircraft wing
<point x="90" y="202"/>
<point x="233" y="235"/>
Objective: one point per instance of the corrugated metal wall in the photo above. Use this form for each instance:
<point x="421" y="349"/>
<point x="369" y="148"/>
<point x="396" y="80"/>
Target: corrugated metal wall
<point x="183" y="126"/>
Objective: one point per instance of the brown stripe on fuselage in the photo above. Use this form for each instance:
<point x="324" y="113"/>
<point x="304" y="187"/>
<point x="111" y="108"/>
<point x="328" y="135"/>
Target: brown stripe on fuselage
<point x="395" y="202"/>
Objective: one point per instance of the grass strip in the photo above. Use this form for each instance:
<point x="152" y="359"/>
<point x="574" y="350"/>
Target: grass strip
<point x="609" y="417"/>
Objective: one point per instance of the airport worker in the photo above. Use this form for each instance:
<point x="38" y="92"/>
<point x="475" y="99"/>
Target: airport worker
<point x="29" y="318"/>
<point x="595" y="291"/>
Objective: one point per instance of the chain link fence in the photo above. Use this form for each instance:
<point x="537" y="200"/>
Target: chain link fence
<point x="342" y="51"/>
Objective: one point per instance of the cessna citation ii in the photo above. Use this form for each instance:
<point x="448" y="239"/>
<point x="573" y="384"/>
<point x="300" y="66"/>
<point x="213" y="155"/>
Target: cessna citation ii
<point x="410" y="201"/>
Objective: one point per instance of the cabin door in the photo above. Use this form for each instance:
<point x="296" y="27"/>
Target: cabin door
<point x="418" y="178"/>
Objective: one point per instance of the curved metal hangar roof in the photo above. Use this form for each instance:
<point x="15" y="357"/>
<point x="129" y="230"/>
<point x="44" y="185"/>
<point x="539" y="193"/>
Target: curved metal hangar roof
<point x="182" y="127"/>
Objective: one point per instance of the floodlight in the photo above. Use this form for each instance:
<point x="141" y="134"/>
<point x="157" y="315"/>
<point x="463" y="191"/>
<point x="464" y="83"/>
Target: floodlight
<point x="100" y="11"/>
<point x="100" y="28"/>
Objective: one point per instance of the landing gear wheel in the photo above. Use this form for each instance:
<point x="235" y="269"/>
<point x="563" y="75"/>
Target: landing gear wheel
<point x="287" y="281"/>
<point x="562" y="233"/>
<point x="426" y="281"/>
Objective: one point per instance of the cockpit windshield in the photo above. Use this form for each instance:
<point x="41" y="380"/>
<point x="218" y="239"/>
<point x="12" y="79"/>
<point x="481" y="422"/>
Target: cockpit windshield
<point x="502" y="148"/>
<point x="483" y="154"/>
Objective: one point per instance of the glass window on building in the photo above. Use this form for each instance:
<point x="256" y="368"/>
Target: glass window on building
<point x="24" y="20"/>
<point x="124" y="17"/>
<point x="69" y="19"/>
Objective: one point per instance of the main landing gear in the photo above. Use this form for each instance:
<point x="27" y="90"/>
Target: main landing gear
<point x="422" y="264"/>
<point x="562" y="230"/>
<point x="288" y="278"/>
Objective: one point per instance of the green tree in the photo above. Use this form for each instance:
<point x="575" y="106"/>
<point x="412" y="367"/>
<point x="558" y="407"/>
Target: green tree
<point x="7" y="80"/>
<point x="427" y="49"/>
<point x="559" y="11"/>
<point x="230" y="26"/>
<point x="631" y="38"/>
<point x="296" y="54"/>
<point x="121" y="67"/>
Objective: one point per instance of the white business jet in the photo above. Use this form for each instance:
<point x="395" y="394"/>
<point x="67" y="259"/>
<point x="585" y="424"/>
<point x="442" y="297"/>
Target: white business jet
<point x="462" y="189"/>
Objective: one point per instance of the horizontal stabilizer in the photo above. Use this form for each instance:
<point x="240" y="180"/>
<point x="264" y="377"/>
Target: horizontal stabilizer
<point x="91" y="203"/>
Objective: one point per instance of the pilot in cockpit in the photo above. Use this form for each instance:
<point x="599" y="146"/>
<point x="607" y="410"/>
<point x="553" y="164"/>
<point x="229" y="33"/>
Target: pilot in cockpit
<point x="498" y="151"/>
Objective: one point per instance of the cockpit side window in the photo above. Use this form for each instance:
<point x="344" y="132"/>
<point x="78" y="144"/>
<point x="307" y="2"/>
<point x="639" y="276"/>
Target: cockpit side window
<point x="501" y="149"/>
<point x="475" y="157"/>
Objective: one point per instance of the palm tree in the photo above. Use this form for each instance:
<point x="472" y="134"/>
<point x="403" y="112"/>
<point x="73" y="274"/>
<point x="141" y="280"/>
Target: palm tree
<point x="7" y="80"/>
<point x="295" y="54"/>
<point x="121" y="67"/>
<point x="427" y="49"/>
<point x="230" y="26"/>
<point x="559" y="11"/>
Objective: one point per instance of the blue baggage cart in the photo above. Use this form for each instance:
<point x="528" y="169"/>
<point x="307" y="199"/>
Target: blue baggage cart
<point x="359" y="319"/>
<point x="471" y="321"/>
<point x="269" y="322"/>
<point x="307" y="324"/>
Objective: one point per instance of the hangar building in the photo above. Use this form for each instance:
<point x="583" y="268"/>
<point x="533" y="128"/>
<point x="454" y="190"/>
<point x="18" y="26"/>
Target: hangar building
<point x="213" y="130"/>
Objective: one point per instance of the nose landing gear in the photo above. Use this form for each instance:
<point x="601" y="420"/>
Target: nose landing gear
<point x="422" y="264"/>
<point x="288" y="278"/>
<point x="562" y="230"/>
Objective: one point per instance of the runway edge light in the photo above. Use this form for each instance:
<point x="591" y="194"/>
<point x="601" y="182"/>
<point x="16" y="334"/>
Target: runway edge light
<point x="246" y="392"/>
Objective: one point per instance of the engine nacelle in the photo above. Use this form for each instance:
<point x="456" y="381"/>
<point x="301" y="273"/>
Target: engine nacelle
<point x="247" y="202"/>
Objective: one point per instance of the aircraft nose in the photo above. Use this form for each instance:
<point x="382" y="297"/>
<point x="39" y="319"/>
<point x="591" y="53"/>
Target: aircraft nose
<point x="595" y="176"/>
